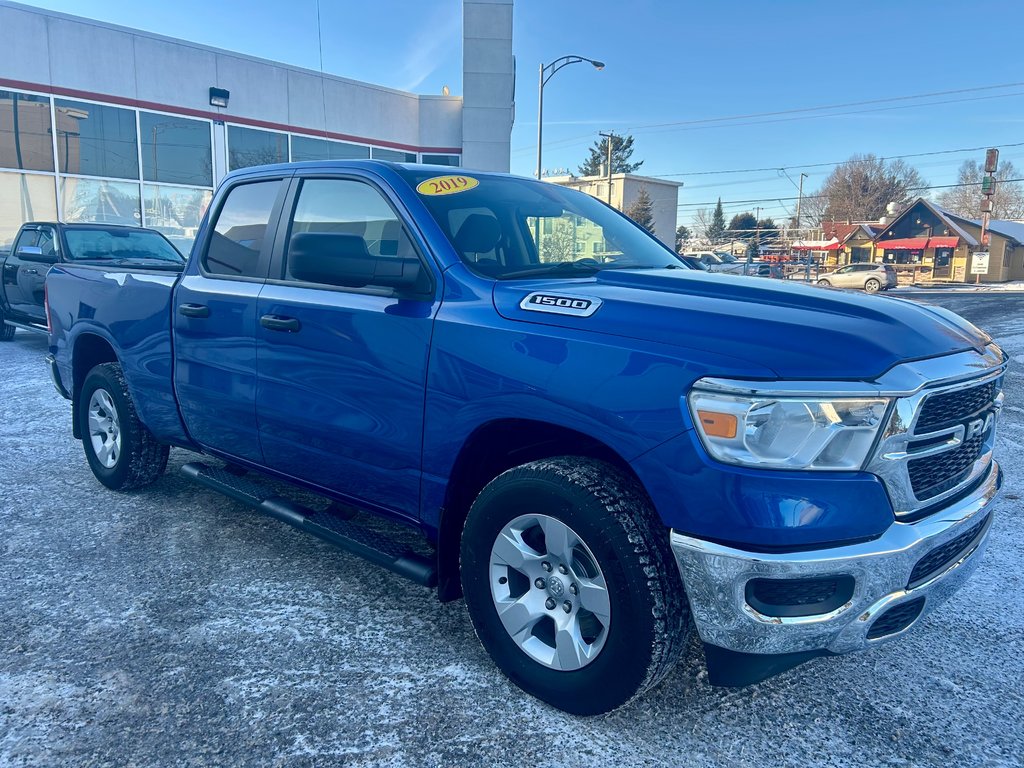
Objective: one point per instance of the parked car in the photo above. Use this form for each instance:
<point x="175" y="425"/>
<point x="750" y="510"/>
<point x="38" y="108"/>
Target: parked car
<point x="719" y="261"/>
<point x="39" y="245"/>
<point x="694" y="262"/>
<point x="593" y="450"/>
<point x="869" y="277"/>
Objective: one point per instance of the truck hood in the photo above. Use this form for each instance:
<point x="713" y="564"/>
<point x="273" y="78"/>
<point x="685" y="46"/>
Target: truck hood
<point x="796" y="331"/>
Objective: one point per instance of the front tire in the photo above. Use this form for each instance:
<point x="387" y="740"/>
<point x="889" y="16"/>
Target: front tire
<point x="571" y="585"/>
<point x="872" y="286"/>
<point x="6" y="331"/>
<point x="825" y="283"/>
<point x="121" y="452"/>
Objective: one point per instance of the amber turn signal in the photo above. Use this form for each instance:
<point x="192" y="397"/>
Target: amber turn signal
<point x="717" y="424"/>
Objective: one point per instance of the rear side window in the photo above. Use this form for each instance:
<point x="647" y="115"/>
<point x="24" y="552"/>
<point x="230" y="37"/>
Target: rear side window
<point x="238" y="246"/>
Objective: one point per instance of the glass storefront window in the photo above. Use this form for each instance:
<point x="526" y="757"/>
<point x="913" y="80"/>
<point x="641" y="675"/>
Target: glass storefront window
<point x="176" y="212"/>
<point x="95" y="140"/>
<point x="176" y="150"/>
<point x="25" y="132"/>
<point x="394" y="155"/>
<point x="24" y="197"/>
<point x="309" y="148"/>
<point x="248" y="146"/>
<point x="107" y="202"/>
<point x="441" y="160"/>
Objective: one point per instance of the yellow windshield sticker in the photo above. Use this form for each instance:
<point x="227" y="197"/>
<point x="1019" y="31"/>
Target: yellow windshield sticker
<point x="446" y="185"/>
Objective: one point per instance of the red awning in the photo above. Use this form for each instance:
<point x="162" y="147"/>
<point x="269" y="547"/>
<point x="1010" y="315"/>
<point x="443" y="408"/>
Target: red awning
<point x="905" y="243"/>
<point x="943" y="242"/>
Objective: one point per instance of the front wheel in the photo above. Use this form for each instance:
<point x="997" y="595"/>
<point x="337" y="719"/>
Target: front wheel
<point x="872" y="286"/>
<point x="121" y="452"/>
<point x="571" y="585"/>
<point x="825" y="283"/>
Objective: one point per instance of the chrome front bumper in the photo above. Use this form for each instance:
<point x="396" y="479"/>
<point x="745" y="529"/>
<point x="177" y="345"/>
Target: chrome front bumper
<point x="716" y="576"/>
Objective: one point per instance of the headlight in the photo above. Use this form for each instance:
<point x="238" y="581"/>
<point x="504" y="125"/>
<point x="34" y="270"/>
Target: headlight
<point x="787" y="432"/>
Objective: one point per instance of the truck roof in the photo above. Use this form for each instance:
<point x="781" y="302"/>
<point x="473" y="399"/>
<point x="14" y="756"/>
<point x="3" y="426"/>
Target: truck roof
<point x="365" y="165"/>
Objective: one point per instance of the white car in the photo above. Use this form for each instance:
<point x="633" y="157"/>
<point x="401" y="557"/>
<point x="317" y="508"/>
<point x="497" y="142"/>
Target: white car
<point x="719" y="261"/>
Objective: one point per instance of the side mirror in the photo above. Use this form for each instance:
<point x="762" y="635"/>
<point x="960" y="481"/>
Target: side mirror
<point x="341" y="259"/>
<point x="35" y="254"/>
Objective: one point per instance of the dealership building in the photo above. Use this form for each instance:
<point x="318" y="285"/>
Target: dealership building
<point x="142" y="129"/>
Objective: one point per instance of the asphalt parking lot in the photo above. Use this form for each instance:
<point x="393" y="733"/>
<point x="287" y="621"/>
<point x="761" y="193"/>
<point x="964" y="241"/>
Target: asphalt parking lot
<point x="175" y="627"/>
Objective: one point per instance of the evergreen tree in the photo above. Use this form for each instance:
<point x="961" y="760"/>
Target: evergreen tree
<point x="622" y="151"/>
<point x="641" y="210"/>
<point x="682" y="235"/>
<point x="716" y="229"/>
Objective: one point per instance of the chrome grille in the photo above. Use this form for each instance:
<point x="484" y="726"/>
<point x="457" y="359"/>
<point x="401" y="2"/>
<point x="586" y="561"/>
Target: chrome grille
<point x="951" y="408"/>
<point x="932" y="475"/>
<point x="938" y="440"/>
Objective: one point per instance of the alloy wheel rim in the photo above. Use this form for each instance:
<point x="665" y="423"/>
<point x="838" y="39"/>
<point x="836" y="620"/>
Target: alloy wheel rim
<point x="104" y="428"/>
<point x="549" y="592"/>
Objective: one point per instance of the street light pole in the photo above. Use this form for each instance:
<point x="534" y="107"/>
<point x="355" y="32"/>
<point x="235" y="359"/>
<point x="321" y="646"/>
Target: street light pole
<point x="799" y="200"/>
<point x="546" y="73"/>
<point x="608" y="167"/>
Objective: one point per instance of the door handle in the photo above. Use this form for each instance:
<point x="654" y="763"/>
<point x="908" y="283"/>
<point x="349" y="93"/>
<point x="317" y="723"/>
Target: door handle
<point x="194" y="310"/>
<point x="31" y="271"/>
<point x="278" y="323"/>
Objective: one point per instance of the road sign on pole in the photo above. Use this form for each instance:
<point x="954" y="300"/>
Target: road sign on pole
<point x="991" y="160"/>
<point x="979" y="263"/>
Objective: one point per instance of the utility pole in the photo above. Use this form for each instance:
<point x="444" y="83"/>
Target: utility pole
<point x="799" y="200"/>
<point x="757" y="241"/>
<point x="608" y="168"/>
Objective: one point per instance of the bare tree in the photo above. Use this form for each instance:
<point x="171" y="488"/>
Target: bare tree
<point x="860" y="188"/>
<point x="701" y="222"/>
<point x="965" y="200"/>
<point x="560" y="244"/>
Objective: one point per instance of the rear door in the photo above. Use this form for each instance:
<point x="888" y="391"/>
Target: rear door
<point x="215" y="319"/>
<point x="342" y="371"/>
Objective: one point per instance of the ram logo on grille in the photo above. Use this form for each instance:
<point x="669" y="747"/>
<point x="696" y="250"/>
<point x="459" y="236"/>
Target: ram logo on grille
<point x="979" y="426"/>
<point x="576" y="306"/>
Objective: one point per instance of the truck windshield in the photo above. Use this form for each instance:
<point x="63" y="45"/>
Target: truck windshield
<point x="119" y="244"/>
<point x="508" y="228"/>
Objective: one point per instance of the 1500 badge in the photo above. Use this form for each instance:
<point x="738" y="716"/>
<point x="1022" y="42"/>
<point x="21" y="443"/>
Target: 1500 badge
<point x="575" y="306"/>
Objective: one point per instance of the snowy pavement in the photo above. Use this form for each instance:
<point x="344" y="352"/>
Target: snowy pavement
<point x="175" y="627"/>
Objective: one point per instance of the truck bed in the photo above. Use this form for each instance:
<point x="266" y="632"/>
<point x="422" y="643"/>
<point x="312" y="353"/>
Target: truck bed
<point x="127" y="310"/>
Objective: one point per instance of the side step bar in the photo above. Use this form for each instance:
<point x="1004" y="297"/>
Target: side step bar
<point x="331" y="526"/>
<point x="40" y="329"/>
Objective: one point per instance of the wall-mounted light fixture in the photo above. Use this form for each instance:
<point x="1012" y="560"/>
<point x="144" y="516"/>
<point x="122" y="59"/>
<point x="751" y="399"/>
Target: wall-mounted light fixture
<point x="219" y="97"/>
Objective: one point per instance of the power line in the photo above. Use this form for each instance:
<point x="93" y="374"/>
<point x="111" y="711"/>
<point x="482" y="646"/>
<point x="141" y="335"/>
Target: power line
<point x="818" y="197"/>
<point x="832" y="106"/>
<point x="729" y="118"/>
<point x="836" y="163"/>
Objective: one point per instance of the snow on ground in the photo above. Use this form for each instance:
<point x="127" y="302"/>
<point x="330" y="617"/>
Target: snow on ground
<point x="174" y="627"/>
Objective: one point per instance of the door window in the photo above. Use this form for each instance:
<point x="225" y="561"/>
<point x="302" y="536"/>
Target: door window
<point x="341" y="220"/>
<point x="238" y="246"/>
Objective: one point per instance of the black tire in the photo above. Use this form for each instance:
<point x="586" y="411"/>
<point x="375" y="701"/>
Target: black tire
<point x="871" y="285"/>
<point x="6" y="331"/>
<point x="825" y="283"/>
<point x="649" y="613"/>
<point x="141" y="459"/>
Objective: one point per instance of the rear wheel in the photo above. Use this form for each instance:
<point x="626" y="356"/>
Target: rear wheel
<point x="871" y="285"/>
<point x="571" y="585"/>
<point x="122" y="453"/>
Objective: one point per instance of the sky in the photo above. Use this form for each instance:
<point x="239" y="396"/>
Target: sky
<point x="673" y="69"/>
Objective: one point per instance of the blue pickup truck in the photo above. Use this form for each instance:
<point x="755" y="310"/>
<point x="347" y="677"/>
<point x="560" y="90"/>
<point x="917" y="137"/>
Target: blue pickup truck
<point x="598" y="447"/>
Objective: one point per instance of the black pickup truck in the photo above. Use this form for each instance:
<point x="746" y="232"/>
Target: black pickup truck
<point x="39" y="245"/>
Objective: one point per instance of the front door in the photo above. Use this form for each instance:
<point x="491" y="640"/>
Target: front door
<point x="342" y="371"/>
<point x="24" y="278"/>
<point x="215" y="320"/>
